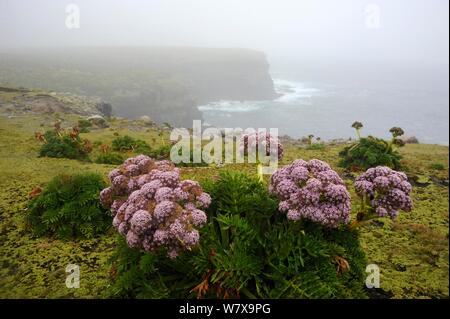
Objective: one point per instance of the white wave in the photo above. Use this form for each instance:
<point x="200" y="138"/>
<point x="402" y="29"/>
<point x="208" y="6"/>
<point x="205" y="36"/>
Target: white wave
<point x="232" y="106"/>
<point x="290" y="92"/>
<point x="293" y="91"/>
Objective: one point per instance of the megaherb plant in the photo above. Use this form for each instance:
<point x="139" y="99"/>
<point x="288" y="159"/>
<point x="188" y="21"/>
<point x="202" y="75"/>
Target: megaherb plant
<point x="383" y="192"/>
<point x="312" y="190"/>
<point x="127" y="143"/>
<point x="370" y="151"/>
<point x="260" y="148"/>
<point x="60" y="143"/>
<point x="243" y="246"/>
<point x="68" y="208"/>
<point x="153" y="208"/>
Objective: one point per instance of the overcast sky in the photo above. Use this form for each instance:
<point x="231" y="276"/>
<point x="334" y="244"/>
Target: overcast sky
<point x="408" y="30"/>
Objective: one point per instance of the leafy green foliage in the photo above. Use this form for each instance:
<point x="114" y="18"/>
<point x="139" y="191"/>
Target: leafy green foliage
<point x="160" y="153"/>
<point x="62" y="145"/>
<point x="191" y="161"/>
<point x="369" y="152"/>
<point x="109" y="158"/>
<point x="84" y="125"/>
<point x="316" y="146"/>
<point x="163" y="152"/>
<point x="69" y="208"/>
<point x="437" y="166"/>
<point x="127" y="143"/>
<point x="247" y="249"/>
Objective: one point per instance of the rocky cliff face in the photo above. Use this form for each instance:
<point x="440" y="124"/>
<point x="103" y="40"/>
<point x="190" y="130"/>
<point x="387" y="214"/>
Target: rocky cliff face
<point x="166" y="84"/>
<point x="215" y="74"/>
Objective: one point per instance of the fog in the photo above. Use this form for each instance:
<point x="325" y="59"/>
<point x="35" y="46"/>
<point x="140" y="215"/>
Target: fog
<point x="382" y="62"/>
<point x="404" y="31"/>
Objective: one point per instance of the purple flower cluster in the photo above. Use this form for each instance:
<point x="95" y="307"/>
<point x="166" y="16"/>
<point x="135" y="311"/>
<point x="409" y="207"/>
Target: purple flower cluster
<point x="253" y="141"/>
<point x="312" y="190"/>
<point x="387" y="190"/>
<point x="153" y="208"/>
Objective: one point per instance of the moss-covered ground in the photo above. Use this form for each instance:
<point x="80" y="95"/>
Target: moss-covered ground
<point x="412" y="251"/>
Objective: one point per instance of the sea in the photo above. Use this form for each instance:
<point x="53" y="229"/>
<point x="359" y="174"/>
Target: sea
<point x="326" y="106"/>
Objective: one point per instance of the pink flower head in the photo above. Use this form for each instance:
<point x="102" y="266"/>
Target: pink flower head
<point x="312" y="190"/>
<point x="252" y="142"/>
<point x="153" y="208"/>
<point x="388" y="190"/>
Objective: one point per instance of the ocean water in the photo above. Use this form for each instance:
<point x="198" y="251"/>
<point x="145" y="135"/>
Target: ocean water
<point x="327" y="109"/>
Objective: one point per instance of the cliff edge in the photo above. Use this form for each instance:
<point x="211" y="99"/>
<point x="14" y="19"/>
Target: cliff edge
<point x="165" y="83"/>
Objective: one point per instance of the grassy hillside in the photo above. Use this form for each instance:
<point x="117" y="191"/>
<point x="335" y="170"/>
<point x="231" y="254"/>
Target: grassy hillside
<point x="412" y="252"/>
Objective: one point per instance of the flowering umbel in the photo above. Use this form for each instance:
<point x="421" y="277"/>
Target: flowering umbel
<point x="253" y="141"/>
<point x="312" y="190"/>
<point x="153" y="208"/>
<point x="385" y="191"/>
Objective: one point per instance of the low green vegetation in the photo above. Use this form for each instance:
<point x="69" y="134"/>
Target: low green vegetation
<point x="437" y="166"/>
<point x="109" y="158"/>
<point x="316" y="146"/>
<point x="127" y="143"/>
<point x="84" y="125"/>
<point x="161" y="152"/>
<point x="412" y="251"/>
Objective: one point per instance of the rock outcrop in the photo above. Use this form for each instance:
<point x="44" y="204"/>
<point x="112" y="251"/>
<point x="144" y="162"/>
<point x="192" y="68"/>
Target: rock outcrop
<point x="17" y="101"/>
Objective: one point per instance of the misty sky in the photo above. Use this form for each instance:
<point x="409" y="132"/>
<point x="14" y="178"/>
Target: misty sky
<point x="409" y="30"/>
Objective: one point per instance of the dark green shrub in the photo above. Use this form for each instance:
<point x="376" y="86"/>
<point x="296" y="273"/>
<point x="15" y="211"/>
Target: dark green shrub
<point x="61" y="145"/>
<point x="191" y="162"/>
<point x="247" y="249"/>
<point x="369" y="152"/>
<point x="316" y="147"/>
<point x="69" y="207"/>
<point x="127" y="143"/>
<point x="160" y="153"/>
<point x="163" y="152"/>
<point x="84" y="125"/>
<point x="109" y="158"/>
<point x="437" y="166"/>
<point x="142" y="147"/>
<point x="123" y="143"/>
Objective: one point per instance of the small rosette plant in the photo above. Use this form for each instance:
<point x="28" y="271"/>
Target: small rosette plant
<point x="312" y="190"/>
<point x="153" y="208"/>
<point x="370" y="151"/>
<point x="383" y="193"/>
